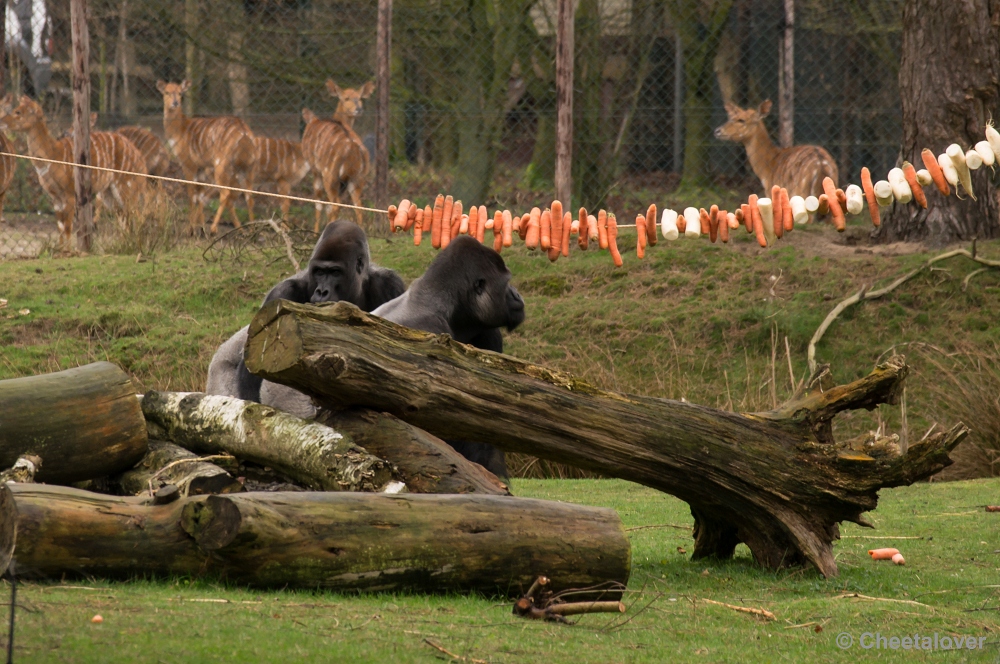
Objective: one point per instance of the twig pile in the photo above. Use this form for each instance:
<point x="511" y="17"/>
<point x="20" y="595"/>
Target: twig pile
<point x="540" y="604"/>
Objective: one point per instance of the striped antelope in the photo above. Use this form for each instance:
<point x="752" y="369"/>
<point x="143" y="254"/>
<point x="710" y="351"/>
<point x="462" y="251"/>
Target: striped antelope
<point x="8" y="164"/>
<point x="107" y="150"/>
<point x="280" y="162"/>
<point x="800" y="168"/>
<point x="155" y="155"/>
<point x="338" y="158"/>
<point x="222" y="145"/>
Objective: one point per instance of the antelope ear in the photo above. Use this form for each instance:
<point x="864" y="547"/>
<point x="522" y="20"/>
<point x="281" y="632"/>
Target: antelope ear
<point x="308" y="115"/>
<point x="367" y="89"/>
<point x="332" y="87"/>
<point x="765" y="108"/>
<point x="185" y="85"/>
<point x="93" y="120"/>
<point x="731" y="108"/>
<point x="161" y="86"/>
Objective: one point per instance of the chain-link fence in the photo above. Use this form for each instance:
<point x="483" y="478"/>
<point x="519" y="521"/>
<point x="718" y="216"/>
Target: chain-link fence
<point x="472" y="108"/>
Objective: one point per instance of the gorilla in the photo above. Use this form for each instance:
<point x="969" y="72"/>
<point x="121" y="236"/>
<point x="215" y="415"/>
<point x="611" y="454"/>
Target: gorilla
<point x="340" y="269"/>
<point x="465" y="292"/>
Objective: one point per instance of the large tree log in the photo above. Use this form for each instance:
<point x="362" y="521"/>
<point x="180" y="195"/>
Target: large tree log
<point x="166" y="463"/>
<point x="775" y="481"/>
<point x="83" y="423"/>
<point x="336" y="540"/>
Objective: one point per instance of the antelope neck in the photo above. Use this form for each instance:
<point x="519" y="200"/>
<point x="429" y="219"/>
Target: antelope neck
<point x="761" y="152"/>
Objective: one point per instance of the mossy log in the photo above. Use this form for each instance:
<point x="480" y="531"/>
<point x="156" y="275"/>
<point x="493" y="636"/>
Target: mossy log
<point x="340" y="541"/>
<point x="306" y="452"/>
<point x="776" y="481"/>
<point x="166" y="463"/>
<point x="83" y="423"/>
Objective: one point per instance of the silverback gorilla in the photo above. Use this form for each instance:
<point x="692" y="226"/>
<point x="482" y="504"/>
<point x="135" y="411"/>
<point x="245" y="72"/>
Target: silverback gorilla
<point x="466" y="292"/>
<point x="340" y="269"/>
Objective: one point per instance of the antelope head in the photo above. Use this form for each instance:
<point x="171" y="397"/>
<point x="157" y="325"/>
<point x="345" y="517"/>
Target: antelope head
<point x="172" y="93"/>
<point x="743" y="123"/>
<point x="350" y="100"/>
<point x="22" y="117"/>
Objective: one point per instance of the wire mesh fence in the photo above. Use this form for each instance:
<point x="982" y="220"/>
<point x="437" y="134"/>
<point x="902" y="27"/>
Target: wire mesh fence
<point x="472" y="94"/>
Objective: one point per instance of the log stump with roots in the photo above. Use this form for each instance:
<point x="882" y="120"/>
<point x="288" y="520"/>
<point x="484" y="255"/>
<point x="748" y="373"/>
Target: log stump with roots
<point x="776" y="481"/>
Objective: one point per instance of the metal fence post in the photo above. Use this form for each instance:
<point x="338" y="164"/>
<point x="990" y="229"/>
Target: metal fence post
<point x="84" y="220"/>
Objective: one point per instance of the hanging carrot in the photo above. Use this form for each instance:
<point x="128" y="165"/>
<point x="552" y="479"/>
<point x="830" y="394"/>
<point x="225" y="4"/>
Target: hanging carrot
<point x="910" y="174"/>
<point x="584" y="239"/>
<point x="428" y="219"/>
<point x="779" y="216"/>
<point x="449" y="204"/>
<point x="747" y="216"/>
<point x="592" y="227"/>
<point x="557" y="211"/>
<point x="522" y="229"/>
<point x="411" y="216"/>
<point x="418" y="228"/>
<point x="602" y="229"/>
<point x="531" y="239"/>
<point x="787" y="219"/>
<point x="436" y="228"/>
<point x="830" y="189"/>
<point x="557" y="232"/>
<point x="932" y="166"/>
<point x="651" y="225"/>
<point x="481" y="230"/>
<point x="546" y="230"/>
<point x="497" y="231"/>
<point x="473" y="221"/>
<point x="567" y="226"/>
<point x="508" y="228"/>
<point x="758" y="223"/>
<point x="456" y="220"/>
<point x="824" y="205"/>
<point x="613" y="241"/>
<point x="713" y="222"/>
<point x="641" y="239"/>
<point x="842" y="199"/>
<point x="866" y="184"/>
<point x="724" y="226"/>
<point x="681" y="224"/>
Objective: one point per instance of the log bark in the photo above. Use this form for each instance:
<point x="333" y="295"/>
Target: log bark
<point x="426" y="463"/>
<point x="306" y="452"/>
<point x="335" y="540"/>
<point x="775" y="481"/>
<point x="166" y="463"/>
<point x="83" y="423"/>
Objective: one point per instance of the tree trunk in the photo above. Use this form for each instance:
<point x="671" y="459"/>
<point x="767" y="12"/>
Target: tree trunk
<point x="307" y="452"/>
<point x="192" y="478"/>
<point x="426" y="463"/>
<point x="83" y="423"/>
<point x="948" y="85"/>
<point x="337" y="541"/>
<point x="776" y="481"/>
<point x="84" y="214"/>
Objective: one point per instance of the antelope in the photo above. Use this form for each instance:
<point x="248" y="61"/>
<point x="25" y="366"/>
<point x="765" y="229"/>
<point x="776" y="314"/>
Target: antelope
<point x="153" y="153"/>
<point x="279" y="161"/>
<point x="8" y="164"/>
<point x="800" y="168"/>
<point x="338" y="158"/>
<point x="223" y="145"/>
<point x="107" y="150"/>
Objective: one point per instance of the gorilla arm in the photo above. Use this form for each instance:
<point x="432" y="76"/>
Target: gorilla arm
<point x="382" y="285"/>
<point x="294" y="288"/>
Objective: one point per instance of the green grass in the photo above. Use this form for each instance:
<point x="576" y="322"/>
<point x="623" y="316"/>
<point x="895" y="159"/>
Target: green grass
<point x="948" y="574"/>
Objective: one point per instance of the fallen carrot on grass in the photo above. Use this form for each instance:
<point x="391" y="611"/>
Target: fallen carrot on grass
<point x="830" y="189"/>
<point x="602" y="229"/>
<point x="418" y="228"/>
<point x="882" y="554"/>
<point x="651" y="225"/>
<point x="584" y="238"/>
<point x="934" y="168"/>
<point x="758" y="223"/>
<point x="898" y="559"/>
<point x="724" y="226"/>
<point x="613" y="241"/>
<point x="910" y="174"/>
<point x="546" y="230"/>
<point x="866" y="184"/>
<point x="640" y="236"/>
<point x="787" y="218"/>
<point x="497" y="231"/>
<point x="508" y="229"/>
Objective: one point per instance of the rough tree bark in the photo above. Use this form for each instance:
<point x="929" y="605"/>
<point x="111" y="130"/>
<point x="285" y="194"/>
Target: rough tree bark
<point x="949" y="85"/>
<point x="83" y="422"/>
<point x="340" y="541"/>
<point x="166" y="463"/>
<point x="776" y="481"/>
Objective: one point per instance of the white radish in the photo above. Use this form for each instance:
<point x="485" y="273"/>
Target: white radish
<point x="855" y="199"/>
<point x="799" y="213"/>
<point x="900" y="187"/>
<point x="924" y="178"/>
<point x="668" y="225"/>
<point x="957" y="156"/>
<point x="693" y="219"/>
<point x="812" y="204"/>
<point x="986" y="152"/>
<point x="993" y="138"/>
<point x="948" y="168"/>
<point x="766" y="209"/>
<point x="883" y="193"/>
<point x="973" y="160"/>
<point x="731" y="219"/>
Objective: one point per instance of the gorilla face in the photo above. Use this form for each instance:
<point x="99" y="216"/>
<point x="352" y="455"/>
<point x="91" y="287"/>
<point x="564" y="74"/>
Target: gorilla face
<point x="339" y="265"/>
<point x="486" y="297"/>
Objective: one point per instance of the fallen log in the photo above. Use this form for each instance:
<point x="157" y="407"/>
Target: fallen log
<point x="309" y="453"/>
<point x="776" y="481"/>
<point x="335" y="540"/>
<point x="83" y="422"/>
<point x="23" y="470"/>
<point x="426" y="463"/>
<point x="166" y="463"/>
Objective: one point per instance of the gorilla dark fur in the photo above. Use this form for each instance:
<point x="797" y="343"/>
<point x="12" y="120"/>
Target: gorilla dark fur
<point x="466" y="292"/>
<point x="340" y="269"/>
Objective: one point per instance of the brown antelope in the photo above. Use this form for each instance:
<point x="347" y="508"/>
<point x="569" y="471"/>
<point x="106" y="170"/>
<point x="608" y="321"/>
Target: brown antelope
<point x="279" y="161"/>
<point x="8" y="164"/>
<point x="155" y="155"/>
<point x="800" y="168"/>
<point x="222" y="145"/>
<point x="107" y="150"/>
<point x="338" y="158"/>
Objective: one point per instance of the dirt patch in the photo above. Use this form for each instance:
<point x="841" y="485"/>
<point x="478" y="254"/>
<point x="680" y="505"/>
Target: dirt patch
<point x="825" y="242"/>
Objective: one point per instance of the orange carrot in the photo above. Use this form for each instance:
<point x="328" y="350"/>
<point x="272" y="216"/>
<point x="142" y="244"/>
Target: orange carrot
<point x="934" y="168"/>
<point x="866" y="184"/>
<point x="456" y="219"/>
<point x="546" y="230"/>
<point x="613" y="241"/>
<point x="411" y="216"/>
<point x="776" y="207"/>
<point x="786" y="211"/>
<point x="758" y="223"/>
<point x="555" y="247"/>
<point x="724" y="226"/>
<point x="438" y="209"/>
<point x="522" y="230"/>
<point x="584" y="239"/>
<point x="531" y="239"/>
<point x="567" y="226"/>
<point x="651" y="225"/>
<point x="882" y="554"/>
<point x="746" y="216"/>
<point x="641" y="239"/>
<point x="602" y="229"/>
<point x="841" y="199"/>
<point x="436" y="227"/>
<point x="428" y="219"/>
<point x="391" y="213"/>
<point x="473" y="221"/>
<point x="481" y="230"/>
<point x="592" y="227"/>
<point x="508" y="228"/>
<point x="449" y="205"/>
<point x="706" y="227"/>
<point x="497" y="231"/>
<point x="682" y="224"/>
<point x="910" y="174"/>
<point x="713" y="223"/>
<point x="418" y="228"/>
<point x="898" y="559"/>
<point x="830" y="189"/>
<point x="824" y="205"/>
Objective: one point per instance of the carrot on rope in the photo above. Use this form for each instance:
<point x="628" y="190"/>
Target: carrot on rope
<point x="787" y="219"/>
<point x="456" y="219"/>
<point x="713" y="222"/>
<point x="557" y="231"/>
<point x="910" y="174"/>
<point x="473" y="221"/>
<point x="641" y="239"/>
<point x="546" y="230"/>
<point x="934" y="168"/>
<point x="613" y="241"/>
<point x="567" y="226"/>
<point x="824" y="205"/>
<point x="651" y="225"/>
<point x="531" y="239"/>
<point x="436" y="228"/>
<point x="592" y="227"/>
<point x="830" y="189"/>
<point x="866" y="184"/>
<point x="449" y="205"/>
<point x="602" y="229"/>
<point x="584" y="238"/>
<point x="522" y="228"/>
<point x="745" y="216"/>
<point x="418" y="228"/>
<point x="724" y="226"/>
<point x="758" y="223"/>
<point x="481" y="225"/>
<point x="508" y="228"/>
<point x="778" y="214"/>
<point x="497" y="231"/>
<point x="411" y="216"/>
